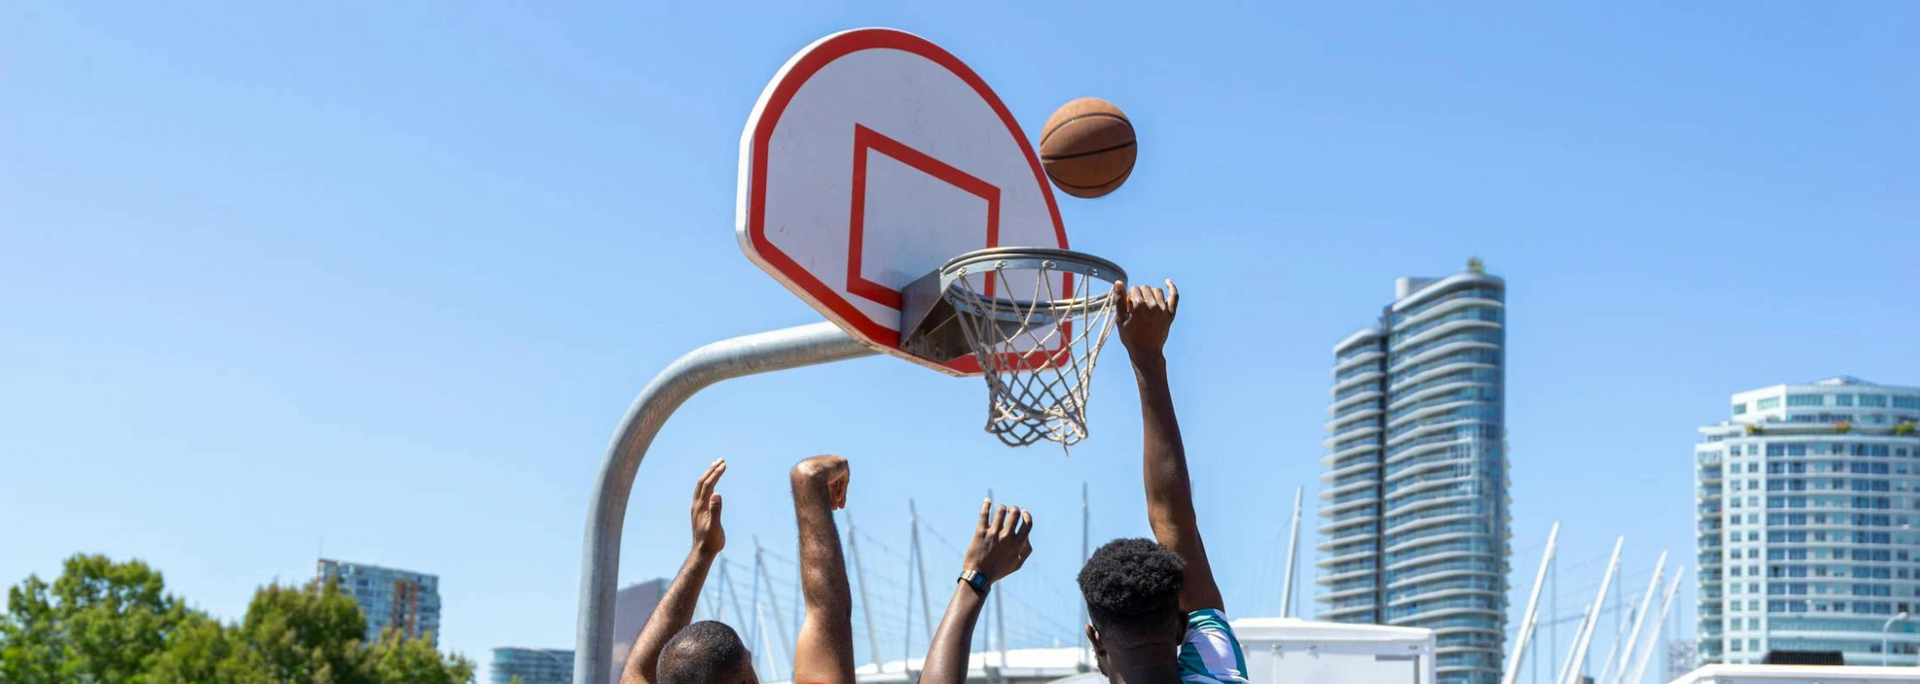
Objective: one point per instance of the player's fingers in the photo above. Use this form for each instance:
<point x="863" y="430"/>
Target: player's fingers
<point x="999" y="520"/>
<point x="706" y="476"/>
<point x="705" y="484"/>
<point x="986" y="515"/>
<point x="713" y="506"/>
<point x="1173" y="296"/>
<point x="1159" y="299"/>
<point x="1026" y="524"/>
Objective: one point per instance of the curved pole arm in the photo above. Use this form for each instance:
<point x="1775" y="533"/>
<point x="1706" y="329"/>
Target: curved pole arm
<point x="765" y="352"/>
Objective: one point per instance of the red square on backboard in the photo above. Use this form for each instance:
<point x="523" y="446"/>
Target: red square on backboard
<point x="866" y="141"/>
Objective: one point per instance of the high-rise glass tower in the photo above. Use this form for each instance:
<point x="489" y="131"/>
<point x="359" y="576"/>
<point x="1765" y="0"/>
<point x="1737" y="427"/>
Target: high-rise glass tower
<point x="531" y="666"/>
<point x="402" y="600"/>
<point x="1808" y="499"/>
<point x="1415" y="519"/>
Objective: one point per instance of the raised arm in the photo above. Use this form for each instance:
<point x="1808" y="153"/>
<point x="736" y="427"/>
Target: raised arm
<point x="998" y="549"/>
<point x="1146" y="315"/>
<point x="825" y="649"/>
<point x="675" y="609"/>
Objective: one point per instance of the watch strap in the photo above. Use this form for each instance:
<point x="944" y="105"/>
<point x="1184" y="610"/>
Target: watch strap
<point x="975" y="580"/>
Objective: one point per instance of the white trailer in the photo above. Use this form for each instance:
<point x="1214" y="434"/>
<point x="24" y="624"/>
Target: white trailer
<point x="1291" y="651"/>
<point x="1799" y="674"/>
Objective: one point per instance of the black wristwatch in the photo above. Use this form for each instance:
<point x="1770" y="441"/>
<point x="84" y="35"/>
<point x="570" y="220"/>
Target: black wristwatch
<point x="976" y="580"/>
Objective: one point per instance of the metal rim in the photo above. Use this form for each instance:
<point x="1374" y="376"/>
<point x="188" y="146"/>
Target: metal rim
<point x="1082" y="262"/>
<point x="1029" y="259"/>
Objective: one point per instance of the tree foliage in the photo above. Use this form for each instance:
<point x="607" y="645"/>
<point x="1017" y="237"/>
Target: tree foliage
<point x="99" y="621"/>
<point x="102" y="622"/>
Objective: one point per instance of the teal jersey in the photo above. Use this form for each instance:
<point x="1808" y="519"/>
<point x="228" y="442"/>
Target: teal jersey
<point x="1210" y="653"/>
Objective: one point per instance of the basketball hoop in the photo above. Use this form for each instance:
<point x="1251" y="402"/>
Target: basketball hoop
<point x="1035" y="318"/>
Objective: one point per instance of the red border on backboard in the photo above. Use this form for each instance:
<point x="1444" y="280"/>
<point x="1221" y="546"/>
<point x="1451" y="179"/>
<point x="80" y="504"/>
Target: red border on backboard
<point x="795" y="75"/>
<point x="866" y="139"/>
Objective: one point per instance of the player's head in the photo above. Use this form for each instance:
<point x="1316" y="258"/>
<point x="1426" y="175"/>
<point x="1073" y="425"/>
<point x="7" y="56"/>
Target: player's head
<point x="706" y="652"/>
<point x="1132" y="589"/>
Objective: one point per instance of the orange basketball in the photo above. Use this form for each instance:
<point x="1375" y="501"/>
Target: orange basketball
<point x="1087" y="147"/>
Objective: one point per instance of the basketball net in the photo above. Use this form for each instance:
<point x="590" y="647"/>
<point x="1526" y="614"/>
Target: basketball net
<point x="1037" y="352"/>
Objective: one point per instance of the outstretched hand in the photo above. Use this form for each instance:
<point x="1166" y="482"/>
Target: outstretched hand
<point x="675" y="608"/>
<point x="1000" y="544"/>
<point x="829" y="469"/>
<point x="708" y="536"/>
<point x="1146" y="314"/>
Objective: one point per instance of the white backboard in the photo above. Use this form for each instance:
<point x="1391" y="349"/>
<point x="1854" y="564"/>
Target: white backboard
<point x="872" y="158"/>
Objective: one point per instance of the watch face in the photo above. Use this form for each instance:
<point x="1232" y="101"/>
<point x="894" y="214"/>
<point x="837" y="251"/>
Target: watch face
<point x="974" y="579"/>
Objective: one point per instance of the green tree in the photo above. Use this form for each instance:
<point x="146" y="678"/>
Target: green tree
<point x="313" y="635"/>
<point x="99" y="621"/>
<point x="102" y="622"/>
<point x="304" y="635"/>
<point x="203" y="652"/>
<point x="398" y="659"/>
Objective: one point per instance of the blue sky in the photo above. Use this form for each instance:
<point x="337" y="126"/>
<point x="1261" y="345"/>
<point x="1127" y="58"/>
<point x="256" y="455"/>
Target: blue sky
<point x="383" y="277"/>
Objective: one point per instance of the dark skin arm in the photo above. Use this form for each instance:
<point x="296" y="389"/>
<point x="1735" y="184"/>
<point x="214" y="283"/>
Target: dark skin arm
<point x="675" y="609"/>
<point x="998" y="549"/>
<point x="1146" y="316"/>
<point x="825" y="649"/>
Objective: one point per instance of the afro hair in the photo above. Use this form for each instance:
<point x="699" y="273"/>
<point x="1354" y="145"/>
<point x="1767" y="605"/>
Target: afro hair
<point x="1133" y="585"/>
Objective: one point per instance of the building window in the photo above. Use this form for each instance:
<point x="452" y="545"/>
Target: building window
<point x="1739" y="408"/>
<point x="1879" y="400"/>
<point x="1907" y="402"/>
<point x="1806" y="400"/>
<point x="1843" y="400"/>
<point x="1767" y="403"/>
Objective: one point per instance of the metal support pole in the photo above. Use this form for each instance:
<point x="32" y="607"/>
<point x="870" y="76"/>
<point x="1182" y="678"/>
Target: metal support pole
<point x="1584" y="638"/>
<point x="773" y="600"/>
<point x="806" y="345"/>
<point x="1666" y="605"/>
<point x="1293" y="554"/>
<point x="906" y="627"/>
<point x="866" y="607"/>
<point x="1081" y="628"/>
<point x="1000" y="615"/>
<point x="1575" y="644"/>
<point x="766" y="641"/>
<point x="1529" y="619"/>
<point x="1553" y="609"/>
<point x="1640" y="620"/>
<point x="920" y="564"/>
<point x="733" y="596"/>
<point x="1000" y="620"/>
<point x="753" y="590"/>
